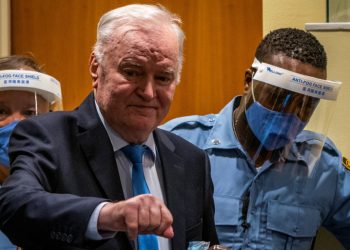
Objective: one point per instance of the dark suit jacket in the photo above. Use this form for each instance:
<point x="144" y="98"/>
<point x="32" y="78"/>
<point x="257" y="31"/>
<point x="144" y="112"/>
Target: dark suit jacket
<point x="63" y="166"/>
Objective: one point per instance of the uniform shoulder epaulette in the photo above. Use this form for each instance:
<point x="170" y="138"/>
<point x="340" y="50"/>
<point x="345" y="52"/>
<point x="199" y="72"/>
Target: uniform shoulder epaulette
<point x="346" y="163"/>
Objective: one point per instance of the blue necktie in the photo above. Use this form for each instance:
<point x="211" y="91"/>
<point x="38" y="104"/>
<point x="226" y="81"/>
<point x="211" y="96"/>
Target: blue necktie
<point x="134" y="153"/>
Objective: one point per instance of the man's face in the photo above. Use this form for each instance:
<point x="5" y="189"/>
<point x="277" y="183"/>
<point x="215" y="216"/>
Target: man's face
<point x="135" y="82"/>
<point x="18" y="105"/>
<point x="275" y="98"/>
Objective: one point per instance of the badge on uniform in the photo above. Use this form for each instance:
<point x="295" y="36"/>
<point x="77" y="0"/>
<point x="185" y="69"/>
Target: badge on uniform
<point x="346" y="163"/>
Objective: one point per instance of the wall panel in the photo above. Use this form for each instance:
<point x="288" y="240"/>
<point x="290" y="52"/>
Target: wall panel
<point x="221" y="37"/>
<point x="5" y="38"/>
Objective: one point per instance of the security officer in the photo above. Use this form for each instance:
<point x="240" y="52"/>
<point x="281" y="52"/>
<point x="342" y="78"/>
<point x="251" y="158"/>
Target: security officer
<point x="276" y="183"/>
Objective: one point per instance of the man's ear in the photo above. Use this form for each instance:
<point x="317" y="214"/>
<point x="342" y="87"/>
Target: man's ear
<point x="248" y="77"/>
<point x="93" y="69"/>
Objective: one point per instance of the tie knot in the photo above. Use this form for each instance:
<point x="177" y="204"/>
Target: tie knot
<point x="134" y="152"/>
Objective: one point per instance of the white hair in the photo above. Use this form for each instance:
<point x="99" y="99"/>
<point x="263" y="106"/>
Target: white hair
<point x="139" y="15"/>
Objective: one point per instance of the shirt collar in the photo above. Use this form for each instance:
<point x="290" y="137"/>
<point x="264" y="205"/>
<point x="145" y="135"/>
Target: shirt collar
<point x="117" y="141"/>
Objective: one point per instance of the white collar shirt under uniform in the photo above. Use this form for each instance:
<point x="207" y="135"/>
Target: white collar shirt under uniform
<point x="125" y="170"/>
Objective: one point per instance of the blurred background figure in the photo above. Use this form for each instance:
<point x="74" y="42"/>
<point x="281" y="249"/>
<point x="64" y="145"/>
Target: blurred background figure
<point x="25" y="91"/>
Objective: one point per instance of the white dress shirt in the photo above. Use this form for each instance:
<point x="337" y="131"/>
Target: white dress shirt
<point x="125" y="173"/>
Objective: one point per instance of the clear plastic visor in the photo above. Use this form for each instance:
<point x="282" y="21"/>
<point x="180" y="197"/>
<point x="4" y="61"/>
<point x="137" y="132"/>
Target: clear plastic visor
<point x="288" y="114"/>
<point x="281" y="100"/>
<point x="16" y="105"/>
<point x="25" y="93"/>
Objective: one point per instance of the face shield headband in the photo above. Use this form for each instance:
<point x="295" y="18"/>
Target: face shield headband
<point x="298" y="83"/>
<point x="39" y="83"/>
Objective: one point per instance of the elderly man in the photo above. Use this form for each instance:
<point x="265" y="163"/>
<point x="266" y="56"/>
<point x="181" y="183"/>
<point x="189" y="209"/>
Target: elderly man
<point x="276" y="183"/>
<point x="103" y="176"/>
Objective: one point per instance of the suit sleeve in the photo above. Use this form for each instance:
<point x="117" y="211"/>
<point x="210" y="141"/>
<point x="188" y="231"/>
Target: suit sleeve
<point x="209" y="209"/>
<point x="29" y="198"/>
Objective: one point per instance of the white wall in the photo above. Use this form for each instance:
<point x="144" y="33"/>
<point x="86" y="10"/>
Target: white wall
<point x="292" y="13"/>
<point x="337" y="45"/>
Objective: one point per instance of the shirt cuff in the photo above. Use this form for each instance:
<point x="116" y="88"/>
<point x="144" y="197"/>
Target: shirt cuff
<point x="92" y="232"/>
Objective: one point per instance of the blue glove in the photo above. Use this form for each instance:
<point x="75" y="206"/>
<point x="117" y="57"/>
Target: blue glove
<point x="198" y="245"/>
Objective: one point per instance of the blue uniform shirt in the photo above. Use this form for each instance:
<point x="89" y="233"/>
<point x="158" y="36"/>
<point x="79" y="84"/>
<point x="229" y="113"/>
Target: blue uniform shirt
<point x="282" y="205"/>
<point x="5" y="244"/>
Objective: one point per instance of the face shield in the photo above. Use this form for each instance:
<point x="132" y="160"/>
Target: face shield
<point x="24" y="93"/>
<point x="39" y="84"/>
<point x="285" y="111"/>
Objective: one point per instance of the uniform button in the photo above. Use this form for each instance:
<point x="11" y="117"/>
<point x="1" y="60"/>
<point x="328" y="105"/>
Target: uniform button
<point x="58" y="236"/>
<point x="69" y="238"/>
<point x="64" y="237"/>
<point x="211" y="119"/>
<point x="215" y="141"/>
<point x="53" y="235"/>
<point x="299" y="156"/>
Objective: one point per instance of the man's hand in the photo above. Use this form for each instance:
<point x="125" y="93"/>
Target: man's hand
<point x="142" y="214"/>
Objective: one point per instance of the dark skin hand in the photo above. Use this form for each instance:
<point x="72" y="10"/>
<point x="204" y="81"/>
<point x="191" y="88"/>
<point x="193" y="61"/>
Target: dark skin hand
<point x="4" y="172"/>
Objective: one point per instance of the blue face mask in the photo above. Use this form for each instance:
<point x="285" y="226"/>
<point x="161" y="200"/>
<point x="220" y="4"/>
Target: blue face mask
<point x="5" y="133"/>
<point x="273" y="129"/>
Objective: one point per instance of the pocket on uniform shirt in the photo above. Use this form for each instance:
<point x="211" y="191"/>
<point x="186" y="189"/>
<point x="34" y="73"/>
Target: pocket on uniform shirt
<point x="294" y="226"/>
<point x="227" y="212"/>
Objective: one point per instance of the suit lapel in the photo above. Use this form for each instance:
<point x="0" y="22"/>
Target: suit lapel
<point x="173" y="173"/>
<point x="95" y="144"/>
